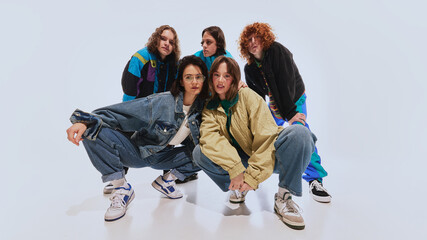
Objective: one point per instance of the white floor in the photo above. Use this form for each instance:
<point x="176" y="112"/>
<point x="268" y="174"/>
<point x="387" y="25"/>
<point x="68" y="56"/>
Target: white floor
<point x="363" y="65"/>
<point x="363" y="207"/>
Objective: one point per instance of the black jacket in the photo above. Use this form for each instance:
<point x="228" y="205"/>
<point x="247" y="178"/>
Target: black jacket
<point x="282" y="76"/>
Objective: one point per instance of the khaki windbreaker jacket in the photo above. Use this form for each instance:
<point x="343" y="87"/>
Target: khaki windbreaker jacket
<point x="254" y="129"/>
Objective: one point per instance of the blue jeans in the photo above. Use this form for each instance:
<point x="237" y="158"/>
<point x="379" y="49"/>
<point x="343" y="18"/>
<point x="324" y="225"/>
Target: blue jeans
<point x="111" y="151"/>
<point x="315" y="169"/>
<point x="294" y="147"/>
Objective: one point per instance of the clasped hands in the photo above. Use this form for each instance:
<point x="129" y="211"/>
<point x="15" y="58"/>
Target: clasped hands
<point x="238" y="183"/>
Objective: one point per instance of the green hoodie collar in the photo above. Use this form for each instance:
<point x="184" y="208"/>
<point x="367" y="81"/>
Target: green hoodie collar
<point x="214" y="103"/>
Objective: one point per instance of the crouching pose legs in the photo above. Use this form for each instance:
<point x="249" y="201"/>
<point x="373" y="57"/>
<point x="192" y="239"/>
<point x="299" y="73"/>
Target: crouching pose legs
<point x="159" y="131"/>
<point x="294" y="147"/>
<point x="241" y="145"/>
<point x="112" y="151"/>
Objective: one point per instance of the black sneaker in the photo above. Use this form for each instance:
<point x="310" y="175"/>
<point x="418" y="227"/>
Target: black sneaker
<point x="318" y="192"/>
<point x="187" y="179"/>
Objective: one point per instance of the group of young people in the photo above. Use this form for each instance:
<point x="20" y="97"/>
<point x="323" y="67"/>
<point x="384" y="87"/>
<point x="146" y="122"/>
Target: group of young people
<point x="195" y="113"/>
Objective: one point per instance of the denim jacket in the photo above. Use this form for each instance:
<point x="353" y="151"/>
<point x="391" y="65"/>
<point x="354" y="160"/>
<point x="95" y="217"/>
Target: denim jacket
<point x="151" y="122"/>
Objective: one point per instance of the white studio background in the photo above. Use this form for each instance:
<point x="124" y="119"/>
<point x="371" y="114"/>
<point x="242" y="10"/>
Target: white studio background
<point x="362" y="63"/>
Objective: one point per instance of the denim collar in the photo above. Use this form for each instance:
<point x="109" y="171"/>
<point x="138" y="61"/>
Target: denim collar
<point x="196" y="106"/>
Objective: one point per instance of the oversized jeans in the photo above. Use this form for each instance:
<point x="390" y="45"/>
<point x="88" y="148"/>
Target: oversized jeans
<point x="294" y="147"/>
<point x="111" y="151"/>
<point x="314" y="169"/>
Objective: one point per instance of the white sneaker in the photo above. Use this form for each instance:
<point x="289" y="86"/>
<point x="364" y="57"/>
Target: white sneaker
<point x="288" y="211"/>
<point x="119" y="203"/>
<point x="108" y="189"/>
<point x="237" y="197"/>
<point x="167" y="187"/>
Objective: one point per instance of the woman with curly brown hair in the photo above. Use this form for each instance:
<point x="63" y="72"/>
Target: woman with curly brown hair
<point x="271" y="71"/>
<point x="153" y="68"/>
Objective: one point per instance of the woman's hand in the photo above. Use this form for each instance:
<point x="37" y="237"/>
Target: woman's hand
<point x="245" y="187"/>
<point x="75" y="133"/>
<point x="237" y="182"/>
<point x="299" y="117"/>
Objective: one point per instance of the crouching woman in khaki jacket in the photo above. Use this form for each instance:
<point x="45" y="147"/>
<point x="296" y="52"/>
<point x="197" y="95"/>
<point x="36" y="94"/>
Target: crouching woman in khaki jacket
<point x="241" y="145"/>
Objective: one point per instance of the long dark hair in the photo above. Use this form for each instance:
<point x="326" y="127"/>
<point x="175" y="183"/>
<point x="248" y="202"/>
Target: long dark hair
<point x="183" y="63"/>
<point x="219" y="37"/>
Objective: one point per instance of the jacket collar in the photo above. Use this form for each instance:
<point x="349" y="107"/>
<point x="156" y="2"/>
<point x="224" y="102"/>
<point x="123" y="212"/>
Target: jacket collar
<point x="267" y="53"/>
<point x="168" y="60"/>
<point x="214" y="103"/>
<point x="179" y="102"/>
<point x="196" y="106"/>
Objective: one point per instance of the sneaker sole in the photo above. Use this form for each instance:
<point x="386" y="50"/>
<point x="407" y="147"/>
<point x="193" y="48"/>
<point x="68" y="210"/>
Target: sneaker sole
<point x="189" y="178"/>
<point x="293" y="225"/>
<point x="108" y="189"/>
<point x="159" y="188"/>
<point x="321" y="199"/>
<point x="237" y="201"/>
<point x="127" y="205"/>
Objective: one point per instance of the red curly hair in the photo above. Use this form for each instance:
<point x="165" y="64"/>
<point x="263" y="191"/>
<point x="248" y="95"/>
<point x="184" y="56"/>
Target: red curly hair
<point x="262" y="30"/>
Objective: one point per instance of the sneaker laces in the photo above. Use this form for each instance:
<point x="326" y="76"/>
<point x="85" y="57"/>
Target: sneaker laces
<point x="168" y="182"/>
<point x="239" y="194"/>
<point x="117" y="200"/>
<point x="319" y="186"/>
<point x="290" y="205"/>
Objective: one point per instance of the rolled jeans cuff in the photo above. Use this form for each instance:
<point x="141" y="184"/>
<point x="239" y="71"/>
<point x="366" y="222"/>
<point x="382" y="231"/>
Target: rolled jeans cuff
<point x="178" y="175"/>
<point x="113" y="176"/>
<point x="295" y="193"/>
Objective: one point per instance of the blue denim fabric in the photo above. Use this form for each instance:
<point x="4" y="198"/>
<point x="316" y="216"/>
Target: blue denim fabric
<point x="151" y="122"/>
<point x="294" y="147"/>
<point x="111" y="151"/>
<point x="314" y="170"/>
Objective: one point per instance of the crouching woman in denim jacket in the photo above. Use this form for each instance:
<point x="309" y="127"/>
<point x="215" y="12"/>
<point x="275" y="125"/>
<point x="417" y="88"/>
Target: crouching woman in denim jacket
<point x="158" y="131"/>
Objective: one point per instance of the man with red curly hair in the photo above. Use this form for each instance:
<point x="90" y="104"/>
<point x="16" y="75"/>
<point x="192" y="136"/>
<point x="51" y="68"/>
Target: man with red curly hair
<point x="271" y="71"/>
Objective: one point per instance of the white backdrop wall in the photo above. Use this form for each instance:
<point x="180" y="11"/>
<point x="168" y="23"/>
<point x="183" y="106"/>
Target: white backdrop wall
<point x="363" y="63"/>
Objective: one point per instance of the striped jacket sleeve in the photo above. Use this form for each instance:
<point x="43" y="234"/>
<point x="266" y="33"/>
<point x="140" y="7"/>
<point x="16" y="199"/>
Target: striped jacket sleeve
<point x="132" y="74"/>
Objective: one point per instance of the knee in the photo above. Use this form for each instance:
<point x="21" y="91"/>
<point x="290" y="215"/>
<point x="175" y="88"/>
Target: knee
<point x="200" y="159"/>
<point x="304" y="135"/>
<point x="105" y="135"/>
<point x="299" y="135"/>
<point x="197" y="155"/>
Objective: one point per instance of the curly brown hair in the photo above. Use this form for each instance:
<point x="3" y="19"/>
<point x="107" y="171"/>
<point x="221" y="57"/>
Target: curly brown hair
<point x="154" y="40"/>
<point x="262" y="30"/>
<point x="233" y="69"/>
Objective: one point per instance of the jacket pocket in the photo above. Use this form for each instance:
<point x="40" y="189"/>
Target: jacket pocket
<point x="164" y="132"/>
<point x="164" y="128"/>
